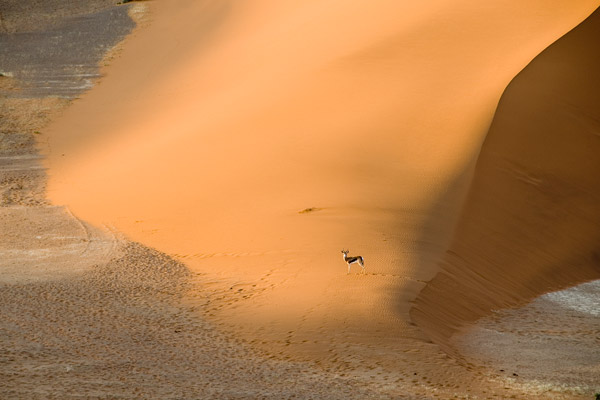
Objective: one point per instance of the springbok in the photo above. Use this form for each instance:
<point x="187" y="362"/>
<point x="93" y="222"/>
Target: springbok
<point x="352" y="260"/>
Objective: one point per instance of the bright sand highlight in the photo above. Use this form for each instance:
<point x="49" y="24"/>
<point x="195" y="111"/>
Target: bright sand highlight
<point x="255" y="140"/>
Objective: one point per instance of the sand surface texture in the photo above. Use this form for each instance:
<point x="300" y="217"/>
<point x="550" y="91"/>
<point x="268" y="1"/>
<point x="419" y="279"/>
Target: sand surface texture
<point x="250" y="142"/>
<point x="531" y="220"/>
<point x="552" y="343"/>
<point x="530" y="225"/>
<point x="83" y="312"/>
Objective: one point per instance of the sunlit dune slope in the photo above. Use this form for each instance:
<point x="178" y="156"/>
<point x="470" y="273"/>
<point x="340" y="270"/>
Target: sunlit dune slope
<point x="531" y="223"/>
<point x="223" y="120"/>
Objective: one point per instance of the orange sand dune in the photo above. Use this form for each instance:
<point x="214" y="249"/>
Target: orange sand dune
<point x="531" y="223"/>
<point x="222" y="120"/>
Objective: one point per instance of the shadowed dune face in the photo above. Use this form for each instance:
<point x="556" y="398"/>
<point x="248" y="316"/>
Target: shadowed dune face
<point x="531" y="222"/>
<point x="210" y="135"/>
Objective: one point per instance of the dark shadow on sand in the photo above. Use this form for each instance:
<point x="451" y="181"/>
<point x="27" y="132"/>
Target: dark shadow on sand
<point x="531" y="220"/>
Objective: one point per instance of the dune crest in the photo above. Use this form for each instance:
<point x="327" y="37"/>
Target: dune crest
<point x="531" y="220"/>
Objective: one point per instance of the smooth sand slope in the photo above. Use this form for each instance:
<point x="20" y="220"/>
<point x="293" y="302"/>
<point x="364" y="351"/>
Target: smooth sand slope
<point x="222" y="121"/>
<point x="531" y="222"/>
<point x="83" y="312"/>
